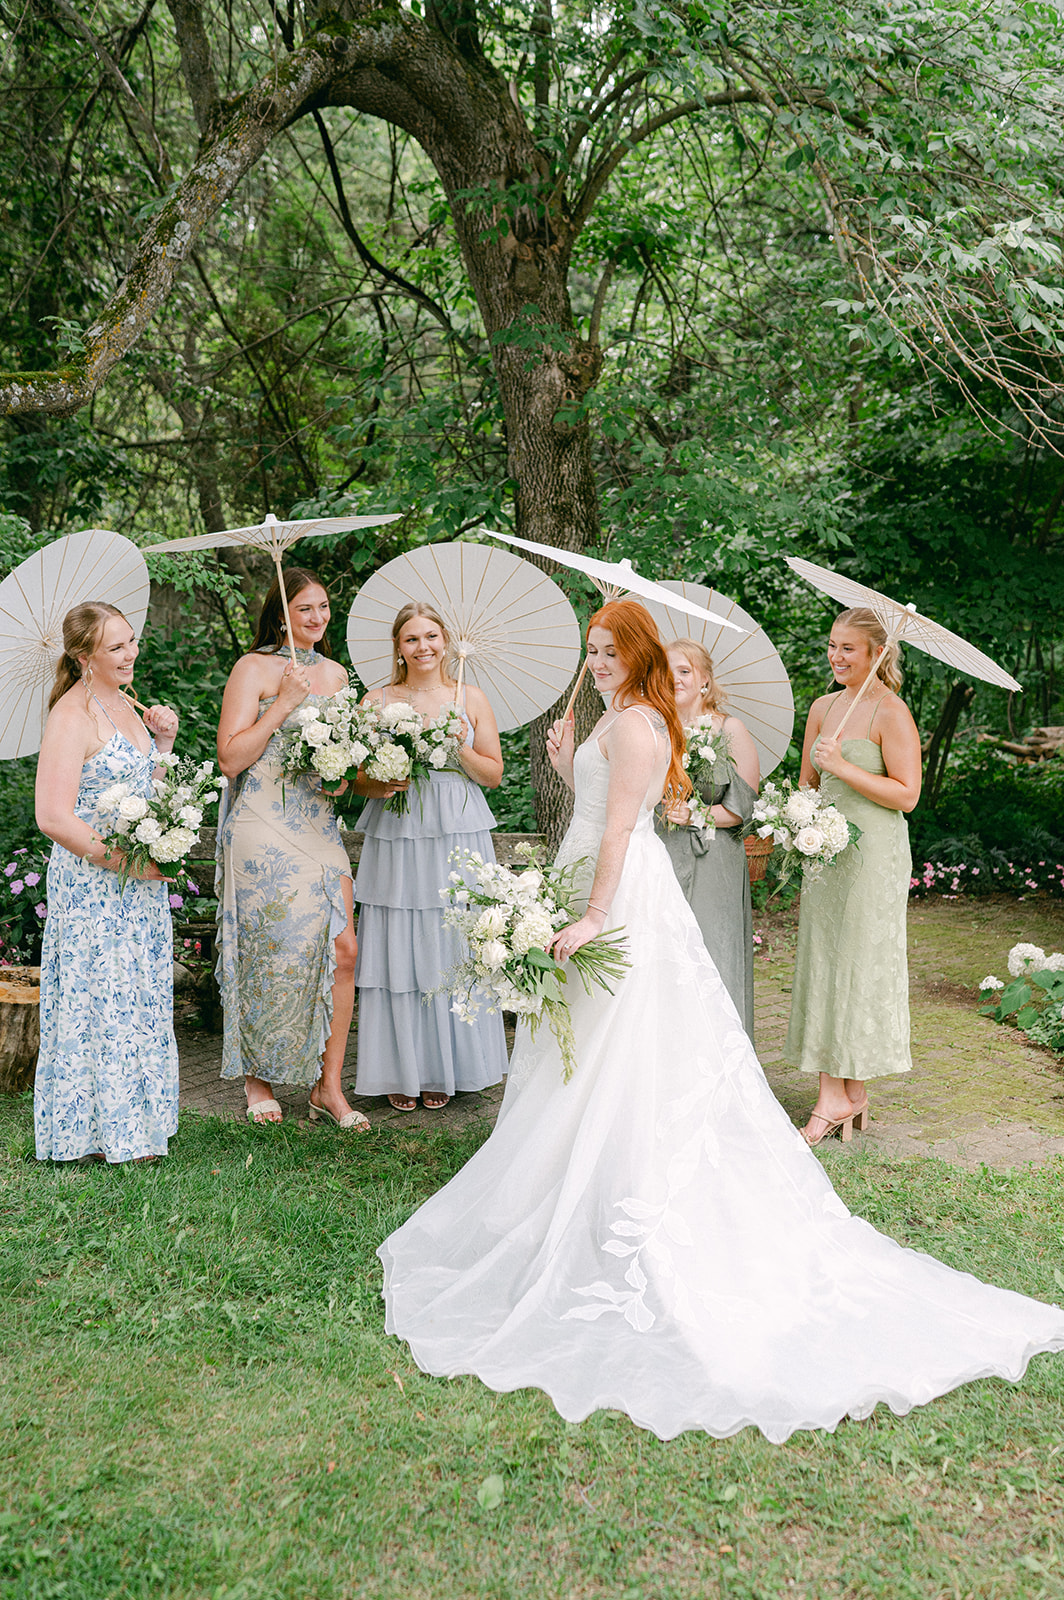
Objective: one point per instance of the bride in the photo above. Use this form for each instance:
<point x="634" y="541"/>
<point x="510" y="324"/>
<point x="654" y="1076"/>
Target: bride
<point x="655" y="1236"/>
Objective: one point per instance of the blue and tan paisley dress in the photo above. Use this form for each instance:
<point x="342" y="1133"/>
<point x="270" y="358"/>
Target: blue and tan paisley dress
<point x="280" y="908"/>
<point x="107" y="1071"/>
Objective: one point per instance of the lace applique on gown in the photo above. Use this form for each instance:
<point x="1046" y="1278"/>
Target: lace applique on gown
<point x="656" y="1237"/>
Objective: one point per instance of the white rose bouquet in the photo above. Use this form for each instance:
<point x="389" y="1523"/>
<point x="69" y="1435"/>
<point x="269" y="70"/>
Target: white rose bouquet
<point x="809" y="831"/>
<point x="402" y="746"/>
<point x="331" y="739"/>
<point x="705" y="762"/>
<point x="164" y="827"/>
<point x="509" y="917"/>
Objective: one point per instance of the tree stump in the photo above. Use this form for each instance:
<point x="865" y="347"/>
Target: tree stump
<point x="20" y="1027"/>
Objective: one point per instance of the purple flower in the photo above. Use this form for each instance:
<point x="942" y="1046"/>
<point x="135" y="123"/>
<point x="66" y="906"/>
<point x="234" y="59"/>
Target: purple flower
<point x="176" y="902"/>
<point x="193" y="888"/>
<point x="11" y="867"/>
<point x="17" y="886"/>
<point x="41" y="909"/>
<point x="33" y="878"/>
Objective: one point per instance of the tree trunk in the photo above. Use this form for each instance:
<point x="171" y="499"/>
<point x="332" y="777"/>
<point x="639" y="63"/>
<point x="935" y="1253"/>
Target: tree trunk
<point x="959" y="698"/>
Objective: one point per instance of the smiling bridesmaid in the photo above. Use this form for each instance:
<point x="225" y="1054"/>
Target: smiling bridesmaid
<point x="106" y="1084"/>
<point x="850" y="1003"/>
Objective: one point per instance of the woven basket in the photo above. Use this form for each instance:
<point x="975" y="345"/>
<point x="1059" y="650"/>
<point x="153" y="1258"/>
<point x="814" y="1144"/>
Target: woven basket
<point x="757" y="854"/>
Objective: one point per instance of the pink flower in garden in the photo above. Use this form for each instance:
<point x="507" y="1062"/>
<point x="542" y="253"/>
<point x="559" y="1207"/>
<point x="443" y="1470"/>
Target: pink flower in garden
<point x="17" y="886"/>
<point x="10" y="868"/>
<point x="187" y="943"/>
<point x="41" y="909"/>
<point x="176" y="902"/>
<point x="33" y="878"/>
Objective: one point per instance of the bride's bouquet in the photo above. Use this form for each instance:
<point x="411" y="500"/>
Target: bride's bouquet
<point x="164" y="828"/>
<point x="331" y="738"/>
<point x="401" y="746"/>
<point x="509" y="917"/>
<point x="808" y="829"/>
<point x="705" y="760"/>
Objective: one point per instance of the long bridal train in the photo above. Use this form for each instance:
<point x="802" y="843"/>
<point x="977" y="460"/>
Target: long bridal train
<point x="656" y="1237"/>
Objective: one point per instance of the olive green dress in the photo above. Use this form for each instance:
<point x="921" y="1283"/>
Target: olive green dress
<point x="850" y="1003"/>
<point x="712" y="872"/>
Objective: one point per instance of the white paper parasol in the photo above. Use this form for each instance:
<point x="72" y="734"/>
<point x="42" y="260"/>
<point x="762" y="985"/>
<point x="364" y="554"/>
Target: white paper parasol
<point x="612" y="579"/>
<point x="275" y="538"/>
<point x="749" y="669"/>
<point x="510" y="625"/>
<point x="92" y="565"/>
<point x="905" y="625"/>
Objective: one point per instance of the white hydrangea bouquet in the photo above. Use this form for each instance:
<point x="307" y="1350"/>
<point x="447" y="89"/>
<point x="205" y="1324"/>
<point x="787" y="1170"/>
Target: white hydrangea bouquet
<point x="401" y="746"/>
<point x="706" y="757"/>
<point x="331" y="738"/>
<point x="509" y="918"/>
<point x="165" y="827"/>
<point x="808" y="829"/>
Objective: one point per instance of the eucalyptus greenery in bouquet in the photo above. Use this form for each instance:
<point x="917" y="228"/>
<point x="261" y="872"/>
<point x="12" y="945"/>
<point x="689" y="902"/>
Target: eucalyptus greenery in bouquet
<point x="509" y="918"/>
<point x="809" y="830"/>
<point x="165" y="827"/>
<point x="404" y="747"/>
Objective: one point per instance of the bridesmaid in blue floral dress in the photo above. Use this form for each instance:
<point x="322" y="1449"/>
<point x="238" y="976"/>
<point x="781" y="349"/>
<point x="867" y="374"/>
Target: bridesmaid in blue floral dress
<point x="287" y="950"/>
<point x="106" y="1085"/>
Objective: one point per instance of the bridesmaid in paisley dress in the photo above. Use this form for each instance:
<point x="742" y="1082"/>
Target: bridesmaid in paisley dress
<point x="850" y="1002"/>
<point x="287" y="948"/>
<point x="106" y="1085"/>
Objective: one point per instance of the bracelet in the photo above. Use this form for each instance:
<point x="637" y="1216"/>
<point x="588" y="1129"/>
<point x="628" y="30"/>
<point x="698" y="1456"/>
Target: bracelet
<point x="591" y="906"/>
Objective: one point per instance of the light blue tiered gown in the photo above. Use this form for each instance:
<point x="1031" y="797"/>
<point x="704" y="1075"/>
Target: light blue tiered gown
<point x="408" y="1039"/>
<point x="107" y="1071"/>
<point x="656" y="1237"/>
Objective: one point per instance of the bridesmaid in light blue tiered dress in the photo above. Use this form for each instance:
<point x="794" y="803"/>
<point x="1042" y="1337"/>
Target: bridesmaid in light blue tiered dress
<point x="409" y="1041"/>
<point x="106" y="1084"/>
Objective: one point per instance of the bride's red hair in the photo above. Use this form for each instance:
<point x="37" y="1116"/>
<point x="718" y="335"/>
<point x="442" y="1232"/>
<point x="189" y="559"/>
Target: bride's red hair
<point x="648" y="679"/>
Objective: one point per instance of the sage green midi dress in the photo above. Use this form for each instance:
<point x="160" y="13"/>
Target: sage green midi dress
<point x="850" y="1002"/>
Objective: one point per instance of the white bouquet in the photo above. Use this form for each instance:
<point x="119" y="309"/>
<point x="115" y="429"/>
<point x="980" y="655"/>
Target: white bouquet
<point x="509" y="918"/>
<point x="331" y="739"/>
<point x="403" y="747"/>
<point x="705" y="760"/>
<point x="165" y="827"/>
<point x="809" y="831"/>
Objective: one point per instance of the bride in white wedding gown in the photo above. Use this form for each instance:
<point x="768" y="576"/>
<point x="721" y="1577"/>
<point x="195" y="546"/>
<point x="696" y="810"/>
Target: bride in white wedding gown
<point x="655" y="1236"/>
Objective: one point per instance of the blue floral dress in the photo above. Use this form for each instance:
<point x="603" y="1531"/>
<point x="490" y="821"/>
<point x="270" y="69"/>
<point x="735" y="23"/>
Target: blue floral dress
<point x="280" y="909"/>
<point x="107" y="1071"/>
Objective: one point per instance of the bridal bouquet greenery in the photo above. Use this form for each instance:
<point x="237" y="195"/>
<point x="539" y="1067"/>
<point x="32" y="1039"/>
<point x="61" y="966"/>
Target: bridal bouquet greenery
<point x="402" y="746"/>
<point x="808" y="829"/>
<point x="164" y="827"/>
<point x="509" y="918"/>
<point x="705" y="760"/>
<point x="330" y="738"/>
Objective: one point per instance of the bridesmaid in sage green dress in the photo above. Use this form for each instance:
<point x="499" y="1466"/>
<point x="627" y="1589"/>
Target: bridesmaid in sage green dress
<point x="710" y="865"/>
<point x="850" y="1003"/>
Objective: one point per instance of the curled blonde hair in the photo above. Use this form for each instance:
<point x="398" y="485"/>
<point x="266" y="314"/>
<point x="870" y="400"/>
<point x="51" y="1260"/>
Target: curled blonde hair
<point x="83" y="626"/>
<point x="418" y="608"/>
<point x="699" y="657"/>
<point x="865" y="621"/>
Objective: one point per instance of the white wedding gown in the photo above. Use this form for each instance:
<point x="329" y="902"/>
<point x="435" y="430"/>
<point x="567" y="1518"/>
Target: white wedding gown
<point x="654" y="1236"/>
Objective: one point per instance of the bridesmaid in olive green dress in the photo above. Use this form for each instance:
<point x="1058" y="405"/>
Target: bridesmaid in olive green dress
<point x="850" y="1004"/>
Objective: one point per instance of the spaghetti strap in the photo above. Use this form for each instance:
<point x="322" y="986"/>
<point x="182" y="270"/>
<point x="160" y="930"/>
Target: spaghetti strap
<point x="872" y="718"/>
<point x="106" y="713"/>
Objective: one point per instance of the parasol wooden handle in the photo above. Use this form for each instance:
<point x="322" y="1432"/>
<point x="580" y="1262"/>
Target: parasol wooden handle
<point x="567" y="713"/>
<point x="284" y="608"/>
<point x="127" y="690"/>
<point x="463" y="651"/>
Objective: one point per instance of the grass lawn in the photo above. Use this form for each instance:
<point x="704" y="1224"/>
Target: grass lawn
<point x="200" y="1400"/>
